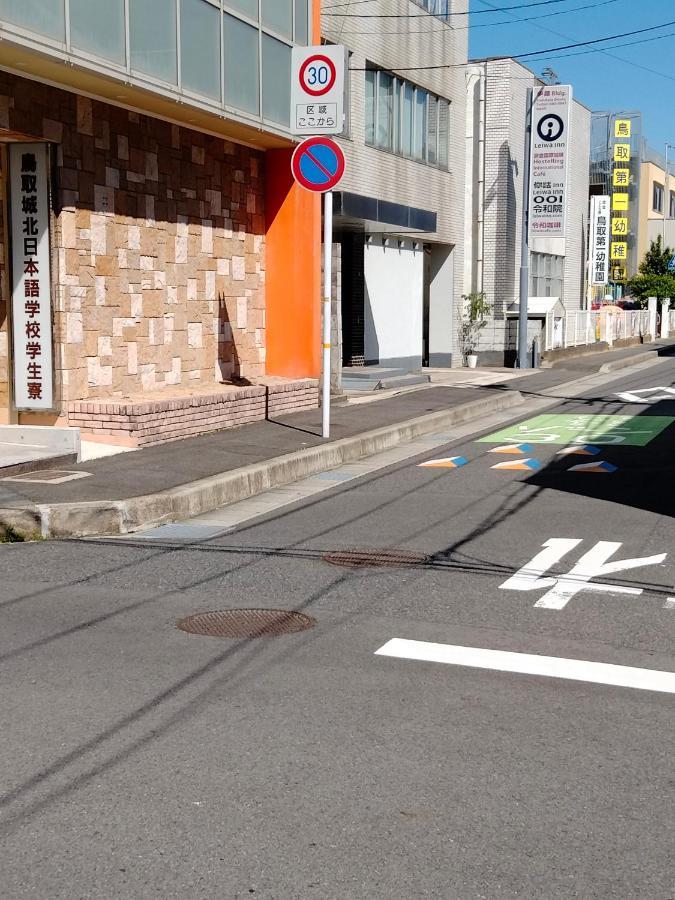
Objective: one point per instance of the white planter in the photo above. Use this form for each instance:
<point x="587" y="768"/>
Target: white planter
<point x="472" y="360"/>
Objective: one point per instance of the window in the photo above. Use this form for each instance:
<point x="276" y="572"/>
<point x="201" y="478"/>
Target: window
<point x="671" y="206"/>
<point x="546" y="275"/>
<point x="44" y="16"/>
<point x="242" y="84"/>
<point x="247" y="7"/>
<point x="200" y="47"/>
<point x="276" y="66"/>
<point x="406" y="119"/>
<point x="277" y="15"/>
<point x="301" y="21"/>
<point x="657" y="197"/>
<point x="438" y="8"/>
<point x="154" y="47"/>
<point x="97" y="26"/>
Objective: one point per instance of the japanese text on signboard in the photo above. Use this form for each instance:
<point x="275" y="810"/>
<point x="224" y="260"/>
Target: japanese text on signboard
<point x="31" y="300"/>
<point x="548" y="161"/>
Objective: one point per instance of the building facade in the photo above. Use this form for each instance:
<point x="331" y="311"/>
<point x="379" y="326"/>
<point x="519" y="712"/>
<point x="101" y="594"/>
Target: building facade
<point x="497" y="93"/>
<point x="399" y="212"/>
<point x="182" y="256"/>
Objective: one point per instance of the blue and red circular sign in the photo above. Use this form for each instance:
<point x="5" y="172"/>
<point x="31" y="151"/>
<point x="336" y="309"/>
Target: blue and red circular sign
<point x="318" y="164"/>
<point x="317" y="75"/>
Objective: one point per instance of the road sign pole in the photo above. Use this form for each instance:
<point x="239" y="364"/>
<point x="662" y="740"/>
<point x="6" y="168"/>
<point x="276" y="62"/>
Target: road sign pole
<point x="523" y="361"/>
<point x="327" y="293"/>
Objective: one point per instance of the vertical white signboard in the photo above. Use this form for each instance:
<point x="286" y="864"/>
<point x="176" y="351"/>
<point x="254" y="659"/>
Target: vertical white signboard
<point x="31" y="282"/>
<point x="318" y="89"/>
<point x="600" y="239"/>
<point x="549" y="161"/>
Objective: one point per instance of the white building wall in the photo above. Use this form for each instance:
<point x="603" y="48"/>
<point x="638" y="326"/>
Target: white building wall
<point x="405" y="43"/>
<point x="496" y="133"/>
<point x="393" y="301"/>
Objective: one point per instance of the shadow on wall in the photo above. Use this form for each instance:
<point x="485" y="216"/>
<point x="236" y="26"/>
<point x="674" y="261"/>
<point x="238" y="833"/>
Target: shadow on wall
<point x="227" y="357"/>
<point x="372" y="344"/>
<point x="502" y="195"/>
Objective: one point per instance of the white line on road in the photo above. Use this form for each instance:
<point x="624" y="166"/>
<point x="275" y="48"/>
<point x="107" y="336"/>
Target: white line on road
<point x="670" y="603"/>
<point x="529" y="664"/>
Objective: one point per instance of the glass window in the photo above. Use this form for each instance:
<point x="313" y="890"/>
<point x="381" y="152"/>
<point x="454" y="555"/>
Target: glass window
<point x="97" y="26"/>
<point x="546" y="275"/>
<point x="406" y="119"/>
<point x="420" y="129"/>
<point x="671" y="212"/>
<point x="432" y="131"/>
<point x="407" y="112"/>
<point x="385" y="111"/>
<point x="277" y="15"/>
<point x="242" y="81"/>
<point x="276" y="64"/>
<point x="301" y="21"/>
<point x="44" y="16"/>
<point x="443" y="132"/>
<point x="371" y="79"/>
<point x="152" y="29"/>
<point x="200" y="47"/>
<point x="247" y="7"/>
<point x="657" y="197"/>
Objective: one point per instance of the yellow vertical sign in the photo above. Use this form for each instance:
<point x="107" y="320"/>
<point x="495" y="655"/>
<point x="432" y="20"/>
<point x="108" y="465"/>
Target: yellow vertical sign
<point x="621" y="153"/>
<point x="622" y="128"/>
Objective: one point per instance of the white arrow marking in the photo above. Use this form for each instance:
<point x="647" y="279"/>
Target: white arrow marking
<point x="644" y="395"/>
<point x="531" y="664"/>
<point x="670" y="603"/>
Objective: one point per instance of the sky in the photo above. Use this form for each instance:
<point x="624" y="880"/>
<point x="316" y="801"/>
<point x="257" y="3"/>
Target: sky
<point x="600" y="81"/>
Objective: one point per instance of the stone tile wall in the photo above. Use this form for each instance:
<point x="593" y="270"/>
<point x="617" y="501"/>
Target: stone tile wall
<point x="159" y="247"/>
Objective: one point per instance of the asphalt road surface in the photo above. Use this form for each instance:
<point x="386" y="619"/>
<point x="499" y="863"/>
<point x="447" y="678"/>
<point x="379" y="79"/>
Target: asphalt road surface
<point x="493" y="722"/>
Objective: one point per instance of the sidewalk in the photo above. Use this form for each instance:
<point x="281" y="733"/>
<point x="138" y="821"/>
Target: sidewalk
<point x="185" y="478"/>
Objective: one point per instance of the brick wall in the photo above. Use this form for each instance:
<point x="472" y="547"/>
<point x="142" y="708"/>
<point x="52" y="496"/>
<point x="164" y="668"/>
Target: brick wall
<point x="159" y="237"/>
<point x="144" y="423"/>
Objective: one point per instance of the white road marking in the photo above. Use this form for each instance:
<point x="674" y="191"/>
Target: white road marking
<point x="647" y="395"/>
<point x="530" y="664"/>
<point x="670" y="603"/>
<point x="591" y="565"/>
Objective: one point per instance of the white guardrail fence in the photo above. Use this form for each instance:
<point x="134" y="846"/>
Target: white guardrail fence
<point x="584" y="327"/>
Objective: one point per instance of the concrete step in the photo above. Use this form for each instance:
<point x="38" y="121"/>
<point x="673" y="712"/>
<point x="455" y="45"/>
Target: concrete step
<point x="406" y="379"/>
<point x="371" y="373"/>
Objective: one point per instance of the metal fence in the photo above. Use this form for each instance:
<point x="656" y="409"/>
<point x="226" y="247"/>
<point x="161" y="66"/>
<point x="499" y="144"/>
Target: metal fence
<point x="583" y="327"/>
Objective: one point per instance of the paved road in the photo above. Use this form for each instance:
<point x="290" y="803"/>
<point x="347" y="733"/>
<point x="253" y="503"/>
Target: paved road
<point x="138" y="761"/>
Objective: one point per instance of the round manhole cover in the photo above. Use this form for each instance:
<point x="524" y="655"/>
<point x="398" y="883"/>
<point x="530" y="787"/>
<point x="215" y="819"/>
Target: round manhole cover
<point x="361" y="559"/>
<point x="246" y="623"/>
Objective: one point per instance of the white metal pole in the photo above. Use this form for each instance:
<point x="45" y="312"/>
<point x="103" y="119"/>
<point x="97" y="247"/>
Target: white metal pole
<point x="327" y="291"/>
<point x="666" y="199"/>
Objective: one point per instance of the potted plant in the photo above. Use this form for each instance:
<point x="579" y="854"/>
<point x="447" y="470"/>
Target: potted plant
<point x="476" y="313"/>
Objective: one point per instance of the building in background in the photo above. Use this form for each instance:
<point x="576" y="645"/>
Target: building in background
<point x="495" y="139"/>
<point x="399" y="212"/>
<point x="181" y="253"/>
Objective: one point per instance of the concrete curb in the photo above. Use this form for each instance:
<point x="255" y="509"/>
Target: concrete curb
<point x="107" y="517"/>
<point x="628" y="361"/>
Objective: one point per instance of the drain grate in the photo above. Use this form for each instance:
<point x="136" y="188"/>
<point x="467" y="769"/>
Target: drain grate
<point x="361" y="559"/>
<point x="246" y="623"/>
<point x="48" y="476"/>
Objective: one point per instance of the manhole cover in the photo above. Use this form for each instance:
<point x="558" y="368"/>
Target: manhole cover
<point x="246" y="623"/>
<point x="361" y="559"/>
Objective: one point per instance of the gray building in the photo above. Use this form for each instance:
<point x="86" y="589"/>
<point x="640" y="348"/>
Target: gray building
<point x="495" y="138"/>
<point x="399" y="213"/>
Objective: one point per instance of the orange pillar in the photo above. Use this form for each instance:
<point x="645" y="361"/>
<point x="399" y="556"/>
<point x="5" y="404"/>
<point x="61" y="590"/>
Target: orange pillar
<point x="293" y="264"/>
<point x="293" y="272"/>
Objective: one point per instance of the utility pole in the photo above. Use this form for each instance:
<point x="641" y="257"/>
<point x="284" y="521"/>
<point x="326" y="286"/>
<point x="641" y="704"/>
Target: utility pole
<point x="523" y="361"/>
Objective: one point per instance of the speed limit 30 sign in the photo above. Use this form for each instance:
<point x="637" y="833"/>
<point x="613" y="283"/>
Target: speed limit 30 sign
<point x="317" y="90"/>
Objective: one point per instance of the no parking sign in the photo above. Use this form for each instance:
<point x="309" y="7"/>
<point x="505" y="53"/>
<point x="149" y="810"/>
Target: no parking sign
<point x="318" y="164"/>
